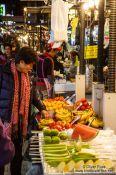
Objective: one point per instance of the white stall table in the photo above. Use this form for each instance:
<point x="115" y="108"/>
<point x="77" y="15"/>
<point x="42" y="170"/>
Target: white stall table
<point x="64" y="87"/>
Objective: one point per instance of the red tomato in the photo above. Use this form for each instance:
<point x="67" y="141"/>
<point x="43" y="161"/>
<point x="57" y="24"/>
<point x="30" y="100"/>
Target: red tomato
<point x="83" y="100"/>
<point x="58" y="127"/>
<point x="73" y="126"/>
<point x="59" y="123"/>
<point x="78" y="103"/>
<point x="68" y="125"/>
<point x="63" y="125"/>
<point x="86" y="104"/>
<point x="63" y="129"/>
<point x="82" y="108"/>
<point x="51" y="125"/>
<point x="88" y="107"/>
<point x="61" y="98"/>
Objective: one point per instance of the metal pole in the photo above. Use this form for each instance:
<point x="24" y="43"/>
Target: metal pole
<point x="112" y="47"/>
<point x="91" y="27"/>
<point x="82" y="39"/>
<point x="100" y="42"/>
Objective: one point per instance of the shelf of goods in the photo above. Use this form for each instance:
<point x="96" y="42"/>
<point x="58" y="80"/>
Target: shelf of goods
<point x="97" y="156"/>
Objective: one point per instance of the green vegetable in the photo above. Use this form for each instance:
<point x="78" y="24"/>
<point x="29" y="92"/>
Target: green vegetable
<point x="55" y="139"/>
<point x="54" y="146"/>
<point x="54" y="132"/>
<point x="84" y="159"/>
<point x="47" y="139"/>
<point x="47" y="132"/>
<point x="57" y="151"/>
<point x="49" y="155"/>
<point x="53" y="163"/>
<point x="63" y="136"/>
<point x="57" y="158"/>
<point x="86" y="154"/>
<point x="83" y="156"/>
<point x="86" y="146"/>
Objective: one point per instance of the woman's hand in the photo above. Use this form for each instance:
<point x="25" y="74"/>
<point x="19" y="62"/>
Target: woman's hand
<point x="45" y="114"/>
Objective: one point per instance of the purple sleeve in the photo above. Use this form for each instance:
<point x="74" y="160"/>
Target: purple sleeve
<point x="6" y="147"/>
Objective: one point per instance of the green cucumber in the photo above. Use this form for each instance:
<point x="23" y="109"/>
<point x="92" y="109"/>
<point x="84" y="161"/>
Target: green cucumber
<point x="56" y="155"/>
<point x="57" y="158"/>
<point x="56" y="151"/>
<point x="84" y="159"/>
<point x="54" y="145"/>
<point x="83" y="156"/>
<point x="54" y="148"/>
<point x="86" y="154"/>
<point x="86" y="146"/>
<point x="53" y="163"/>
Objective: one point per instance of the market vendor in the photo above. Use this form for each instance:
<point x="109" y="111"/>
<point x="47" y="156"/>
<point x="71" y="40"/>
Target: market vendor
<point x="45" y="70"/>
<point x="75" y="63"/>
<point x="16" y="97"/>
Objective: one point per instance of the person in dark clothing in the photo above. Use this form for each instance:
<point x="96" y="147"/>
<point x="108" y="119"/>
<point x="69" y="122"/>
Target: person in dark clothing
<point x="105" y="66"/>
<point x="8" y="52"/>
<point x="2" y="58"/>
<point x="16" y="97"/>
<point x="105" y="56"/>
<point x="6" y="148"/>
<point x="58" y="66"/>
<point x="74" y="65"/>
<point x="45" y="71"/>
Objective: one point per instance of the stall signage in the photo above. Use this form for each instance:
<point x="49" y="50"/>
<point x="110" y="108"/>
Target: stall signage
<point x="90" y="52"/>
<point x="2" y="9"/>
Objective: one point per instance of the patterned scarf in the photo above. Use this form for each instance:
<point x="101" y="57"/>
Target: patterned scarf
<point x="23" y="109"/>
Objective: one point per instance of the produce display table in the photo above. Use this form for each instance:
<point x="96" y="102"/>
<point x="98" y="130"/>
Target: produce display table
<point x="104" y="145"/>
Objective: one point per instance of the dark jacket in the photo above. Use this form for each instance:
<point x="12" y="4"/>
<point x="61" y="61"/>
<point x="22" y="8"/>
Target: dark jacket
<point x="7" y="94"/>
<point x="46" y="62"/>
<point x="2" y="58"/>
<point x="6" y="147"/>
<point x="58" y="66"/>
<point x="45" y="67"/>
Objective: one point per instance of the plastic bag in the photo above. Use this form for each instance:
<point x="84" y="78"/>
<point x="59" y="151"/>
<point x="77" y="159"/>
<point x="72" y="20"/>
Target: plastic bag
<point x="59" y="20"/>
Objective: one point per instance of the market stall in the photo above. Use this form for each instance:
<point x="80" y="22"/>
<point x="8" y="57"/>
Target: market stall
<point x="73" y="140"/>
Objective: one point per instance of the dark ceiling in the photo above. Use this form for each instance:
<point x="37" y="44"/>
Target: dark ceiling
<point x="14" y="7"/>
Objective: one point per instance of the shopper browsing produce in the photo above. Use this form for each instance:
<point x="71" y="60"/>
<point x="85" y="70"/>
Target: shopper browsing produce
<point x="15" y="101"/>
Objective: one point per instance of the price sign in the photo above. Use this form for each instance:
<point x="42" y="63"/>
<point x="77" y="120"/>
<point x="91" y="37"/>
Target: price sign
<point x="90" y="52"/>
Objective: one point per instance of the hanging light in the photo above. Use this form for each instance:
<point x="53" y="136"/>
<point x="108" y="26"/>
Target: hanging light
<point x="91" y="4"/>
<point x="96" y="3"/>
<point x="25" y="9"/>
<point x="86" y="6"/>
